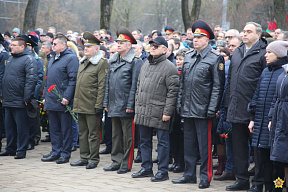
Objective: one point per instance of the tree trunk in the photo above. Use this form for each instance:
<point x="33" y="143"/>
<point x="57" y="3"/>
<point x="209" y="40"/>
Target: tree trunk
<point x="280" y="14"/>
<point x="187" y="18"/>
<point x="106" y="12"/>
<point x="30" y="15"/>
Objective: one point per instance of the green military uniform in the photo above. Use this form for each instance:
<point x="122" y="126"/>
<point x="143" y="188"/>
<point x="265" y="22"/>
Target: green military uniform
<point x="89" y="94"/>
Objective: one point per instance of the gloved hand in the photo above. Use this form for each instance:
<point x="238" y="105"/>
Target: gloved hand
<point x="99" y="111"/>
<point x="211" y="115"/>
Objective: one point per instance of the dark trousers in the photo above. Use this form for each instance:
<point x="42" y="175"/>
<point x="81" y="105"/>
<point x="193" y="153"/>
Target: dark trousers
<point x="33" y="126"/>
<point x="2" y="127"/>
<point x="108" y="132"/>
<point x="263" y="168"/>
<point x="198" y="130"/>
<point x="177" y="140"/>
<point x="240" y="134"/>
<point x="146" y="134"/>
<point x="17" y="129"/>
<point x="123" y="130"/>
<point x="61" y="133"/>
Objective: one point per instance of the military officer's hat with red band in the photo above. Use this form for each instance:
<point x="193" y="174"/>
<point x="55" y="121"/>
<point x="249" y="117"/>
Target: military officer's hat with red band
<point x="169" y="30"/>
<point x="201" y="28"/>
<point x="123" y="34"/>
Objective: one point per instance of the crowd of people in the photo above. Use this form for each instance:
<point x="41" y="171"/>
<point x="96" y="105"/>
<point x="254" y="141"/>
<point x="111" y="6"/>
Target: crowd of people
<point x="203" y="93"/>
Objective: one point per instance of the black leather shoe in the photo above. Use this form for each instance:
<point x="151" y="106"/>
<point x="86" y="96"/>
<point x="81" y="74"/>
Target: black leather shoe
<point x="160" y="177"/>
<point x="73" y="148"/>
<point x="138" y="159"/>
<point x="256" y="188"/>
<point x="50" y="158"/>
<point x="78" y="163"/>
<point x="187" y="179"/>
<point x="239" y="185"/>
<point x="105" y="151"/>
<point x="143" y="173"/>
<point x="30" y="146"/>
<point x="62" y="160"/>
<point x="91" y="165"/>
<point x="155" y="160"/>
<point x="179" y="168"/>
<point x="225" y="176"/>
<point x="172" y="166"/>
<point x="111" y="168"/>
<point x="20" y="156"/>
<point x="7" y="153"/>
<point x="203" y="184"/>
<point x="48" y="155"/>
<point x="122" y="171"/>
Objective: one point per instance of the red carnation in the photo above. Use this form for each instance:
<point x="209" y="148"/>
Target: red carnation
<point x="51" y="87"/>
<point x="222" y="135"/>
<point x="225" y="136"/>
<point x="45" y="77"/>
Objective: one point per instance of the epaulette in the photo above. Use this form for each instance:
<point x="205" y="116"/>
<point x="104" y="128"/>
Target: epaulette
<point x="215" y="52"/>
<point x="189" y="51"/>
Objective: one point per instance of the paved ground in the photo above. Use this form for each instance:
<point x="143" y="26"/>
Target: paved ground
<point x="30" y="174"/>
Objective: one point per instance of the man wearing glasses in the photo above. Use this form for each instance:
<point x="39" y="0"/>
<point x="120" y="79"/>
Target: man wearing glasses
<point x="156" y="97"/>
<point x="18" y="87"/>
<point x="230" y="34"/>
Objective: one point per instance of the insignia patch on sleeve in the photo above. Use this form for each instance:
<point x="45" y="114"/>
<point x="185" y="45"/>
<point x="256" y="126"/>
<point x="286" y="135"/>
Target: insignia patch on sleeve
<point x="221" y="66"/>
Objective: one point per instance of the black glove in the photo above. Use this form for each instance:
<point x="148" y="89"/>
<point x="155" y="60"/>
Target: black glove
<point x="99" y="111"/>
<point x="211" y="115"/>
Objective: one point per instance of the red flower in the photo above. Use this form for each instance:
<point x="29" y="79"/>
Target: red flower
<point x="225" y="136"/>
<point x="45" y="77"/>
<point x="51" y="88"/>
<point x="222" y="135"/>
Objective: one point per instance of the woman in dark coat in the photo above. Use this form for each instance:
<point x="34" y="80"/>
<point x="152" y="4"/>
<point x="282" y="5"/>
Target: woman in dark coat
<point x="279" y="114"/>
<point x="259" y="109"/>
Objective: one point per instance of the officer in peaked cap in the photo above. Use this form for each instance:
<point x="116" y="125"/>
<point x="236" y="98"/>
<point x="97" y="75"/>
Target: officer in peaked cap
<point x="119" y="100"/>
<point x="30" y="40"/>
<point x="202" y="78"/>
<point x="123" y="34"/>
<point x="169" y="32"/>
<point x="91" y="79"/>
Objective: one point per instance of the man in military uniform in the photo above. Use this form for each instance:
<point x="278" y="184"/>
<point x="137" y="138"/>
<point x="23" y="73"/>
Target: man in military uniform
<point x="119" y="100"/>
<point x="88" y="101"/>
<point x="169" y="32"/>
<point x="201" y="88"/>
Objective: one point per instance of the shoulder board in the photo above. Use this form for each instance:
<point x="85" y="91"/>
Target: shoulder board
<point x="137" y="56"/>
<point x="215" y="52"/>
<point x="191" y="51"/>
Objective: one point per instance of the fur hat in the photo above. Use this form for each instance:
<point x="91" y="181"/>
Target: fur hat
<point x="279" y="48"/>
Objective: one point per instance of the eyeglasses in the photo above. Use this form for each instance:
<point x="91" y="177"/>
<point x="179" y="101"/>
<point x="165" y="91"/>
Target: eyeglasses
<point x="229" y="37"/>
<point x="54" y="44"/>
<point x="155" y="46"/>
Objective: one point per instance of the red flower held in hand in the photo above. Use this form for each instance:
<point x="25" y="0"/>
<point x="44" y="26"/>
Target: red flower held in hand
<point x="225" y="136"/>
<point x="45" y="77"/>
<point x="51" y="88"/>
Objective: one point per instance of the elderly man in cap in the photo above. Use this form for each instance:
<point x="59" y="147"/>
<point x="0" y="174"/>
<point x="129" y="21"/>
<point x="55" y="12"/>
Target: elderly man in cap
<point x="201" y="87"/>
<point x="62" y="72"/>
<point x="156" y="97"/>
<point x="119" y="100"/>
<point x="31" y="42"/>
<point x="18" y="86"/>
<point x="88" y="101"/>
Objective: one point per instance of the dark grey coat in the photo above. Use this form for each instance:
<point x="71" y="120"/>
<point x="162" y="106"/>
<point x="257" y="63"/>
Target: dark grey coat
<point x="156" y="93"/>
<point x="121" y="84"/>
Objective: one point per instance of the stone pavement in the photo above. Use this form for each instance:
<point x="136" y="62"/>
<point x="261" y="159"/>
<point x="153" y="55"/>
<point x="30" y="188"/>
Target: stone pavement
<point x="30" y="174"/>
